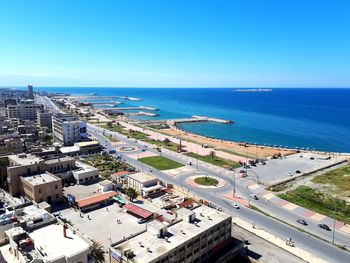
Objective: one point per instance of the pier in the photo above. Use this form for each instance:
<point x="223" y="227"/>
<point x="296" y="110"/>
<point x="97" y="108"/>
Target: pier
<point x="192" y="119"/>
<point x="137" y="108"/>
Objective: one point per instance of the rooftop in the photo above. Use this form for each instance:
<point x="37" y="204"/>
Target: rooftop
<point x="58" y="160"/>
<point x="178" y="233"/>
<point x="95" y="199"/>
<point x="105" y="182"/>
<point x="24" y="159"/>
<point x="54" y="245"/>
<point x="40" y="178"/>
<point x="141" y="177"/>
<point x="86" y="144"/>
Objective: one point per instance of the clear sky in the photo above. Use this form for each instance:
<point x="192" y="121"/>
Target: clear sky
<point x="175" y="43"/>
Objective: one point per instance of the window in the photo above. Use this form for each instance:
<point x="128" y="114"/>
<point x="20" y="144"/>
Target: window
<point x="39" y="190"/>
<point x="56" y="186"/>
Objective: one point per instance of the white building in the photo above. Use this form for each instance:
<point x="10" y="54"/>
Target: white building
<point x="105" y="186"/>
<point x="191" y="238"/>
<point x="143" y="183"/>
<point x="85" y="173"/>
<point x="68" y="129"/>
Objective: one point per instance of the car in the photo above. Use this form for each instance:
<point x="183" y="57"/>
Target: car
<point x="150" y="170"/>
<point x="312" y="158"/>
<point x="297" y="171"/>
<point x="302" y="221"/>
<point x="324" y="226"/>
<point x="254" y="196"/>
<point x="141" y="220"/>
<point x="189" y="163"/>
<point x="235" y="205"/>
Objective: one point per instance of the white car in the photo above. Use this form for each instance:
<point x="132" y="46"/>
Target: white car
<point x="235" y="205"/>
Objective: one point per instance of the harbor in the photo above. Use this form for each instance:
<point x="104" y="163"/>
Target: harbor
<point x="192" y="119"/>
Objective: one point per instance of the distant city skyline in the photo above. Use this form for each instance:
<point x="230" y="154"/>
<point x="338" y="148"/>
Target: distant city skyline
<point x="175" y="44"/>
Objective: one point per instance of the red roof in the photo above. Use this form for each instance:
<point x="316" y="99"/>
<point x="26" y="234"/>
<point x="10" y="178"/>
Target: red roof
<point x="137" y="210"/>
<point x="95" y="199"/>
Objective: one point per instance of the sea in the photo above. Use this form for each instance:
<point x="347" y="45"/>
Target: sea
<point x="312" y="118"/>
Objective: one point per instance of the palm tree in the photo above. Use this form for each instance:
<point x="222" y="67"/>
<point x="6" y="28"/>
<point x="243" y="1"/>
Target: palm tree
<point x="131" y="193"/>
<point x="97" y="252"/>
<point x="166" y="141"/>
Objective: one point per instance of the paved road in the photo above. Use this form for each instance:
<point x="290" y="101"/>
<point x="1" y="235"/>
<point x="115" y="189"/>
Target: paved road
<point x="306" y="241"/>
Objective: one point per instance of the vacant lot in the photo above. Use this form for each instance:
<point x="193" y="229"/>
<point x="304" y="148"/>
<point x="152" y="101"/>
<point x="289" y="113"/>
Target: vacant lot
<point x="160" y="162"/>
<point x="317" y="201"/>
<point x="214" y="160"/>
<point x="340" y="178"/>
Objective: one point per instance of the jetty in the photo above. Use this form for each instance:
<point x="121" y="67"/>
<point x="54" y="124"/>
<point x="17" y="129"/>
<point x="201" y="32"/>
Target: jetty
<point x="137" y="108"/>
<point x="143" y="113"/>
<point x="192" y="119"/>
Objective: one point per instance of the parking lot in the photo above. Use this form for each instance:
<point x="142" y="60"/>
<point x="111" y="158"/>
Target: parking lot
<point x="279" y="169"/>
<point x="102" y="224"/>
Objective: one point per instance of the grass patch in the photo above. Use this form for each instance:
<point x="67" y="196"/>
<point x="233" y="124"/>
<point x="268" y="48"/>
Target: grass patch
<point x="130" y="133"/>
<point x="207" y="181"/>
<point x="105" y="164"/>
<point x="160" y="162"/>
<point x="170" y="145"/>
<point x="318" y="202"/>
<point x="218" y="161"/>
<point x="339" y="177"/>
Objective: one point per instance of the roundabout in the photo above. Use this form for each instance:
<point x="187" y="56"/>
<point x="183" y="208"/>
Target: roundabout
<point x="127" y="148"/>
<point x="205" y="181"/>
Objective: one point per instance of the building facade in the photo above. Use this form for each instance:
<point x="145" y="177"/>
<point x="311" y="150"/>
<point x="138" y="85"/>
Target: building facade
<point x="23" y="111"/>
<point x="45" y="119"/>
<point x="68" y="129"/>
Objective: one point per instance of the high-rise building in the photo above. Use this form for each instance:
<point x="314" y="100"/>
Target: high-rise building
<point x="30" y="92"/>
<point x="68" y="129"/>
<point x="45" y="119"/>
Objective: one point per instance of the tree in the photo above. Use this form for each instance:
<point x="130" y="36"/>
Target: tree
<point x="97" y="252"/>
<point x="131" y="193"/>
<point x="109" y="125"/>
<point x="212" y="154"/>
<point x="46" y="139"/>
<point x="166" y="141"/>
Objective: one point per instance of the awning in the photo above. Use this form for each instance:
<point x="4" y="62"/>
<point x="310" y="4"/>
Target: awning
<point x="137" y="211"/>
<point x="119" y="200"/>
<point x="95" y="199"/>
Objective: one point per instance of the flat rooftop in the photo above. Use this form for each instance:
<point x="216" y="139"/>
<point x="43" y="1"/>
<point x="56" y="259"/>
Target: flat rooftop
<point x="55" y="245"/>
<point x="40" y="178"/>
<point x="178" y="234"/>
<point x="86" y="144"/>
<point x="141" y="177"/>
<point x="24" y="159"/>
<point x="58" y="160"/>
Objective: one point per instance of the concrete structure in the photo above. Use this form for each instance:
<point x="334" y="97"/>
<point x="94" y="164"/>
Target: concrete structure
<point x="194" y="237"/>
<point x="42" y="187"/>
<point x="23" y="111"/>
<point x="105" y="186"/>
<point x="143" y="183"/>
<point x="45" y="119"/>
<point x="11" y="146"/>
<point x="85" y="173"/>
<point x="23" y="165"/>
<point x="30" y="92"/>
<point x="88" y="147"/>
<point x="68" y="129"/>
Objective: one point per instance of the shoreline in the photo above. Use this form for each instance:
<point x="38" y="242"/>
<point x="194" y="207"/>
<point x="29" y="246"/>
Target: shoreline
<point x="239" y="147"/>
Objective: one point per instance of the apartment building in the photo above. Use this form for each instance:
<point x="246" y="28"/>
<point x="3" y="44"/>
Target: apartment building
<point x="68" y="129"/>
<point x="27" y="110"/>
<point x="45" y="119"/>
<point x="196" y="236"/>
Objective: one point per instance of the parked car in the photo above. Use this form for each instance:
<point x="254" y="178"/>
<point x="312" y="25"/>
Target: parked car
<point x="235" y="205"/>
<point x="141" y="220"/>
<point x="324" y="226"/>
<point x="302" y="221"/>
<point x="297" y="171"/>
<point x="254" y="196"/>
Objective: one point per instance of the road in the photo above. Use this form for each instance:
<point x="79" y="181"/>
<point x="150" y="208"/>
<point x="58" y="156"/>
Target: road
<point x="302" y="239"/>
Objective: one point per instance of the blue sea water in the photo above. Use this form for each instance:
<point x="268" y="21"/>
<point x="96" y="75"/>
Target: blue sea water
<point x="313" y="118"/>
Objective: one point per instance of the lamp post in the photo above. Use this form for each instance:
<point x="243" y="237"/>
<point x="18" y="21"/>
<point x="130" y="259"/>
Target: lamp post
<point x="334" y="219"/>
<point x="234" y="183"/>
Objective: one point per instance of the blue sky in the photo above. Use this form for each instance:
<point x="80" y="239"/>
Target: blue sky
<point x="182" y="43"/>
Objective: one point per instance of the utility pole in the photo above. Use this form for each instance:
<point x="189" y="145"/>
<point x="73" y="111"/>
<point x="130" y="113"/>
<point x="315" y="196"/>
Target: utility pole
<point x="234" y="183"/>
<point x="334" y="219"/>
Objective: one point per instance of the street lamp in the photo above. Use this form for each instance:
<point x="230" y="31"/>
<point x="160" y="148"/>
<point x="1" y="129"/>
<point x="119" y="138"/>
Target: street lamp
<point x="234" y="183"/>
<point x="334" y="219"/>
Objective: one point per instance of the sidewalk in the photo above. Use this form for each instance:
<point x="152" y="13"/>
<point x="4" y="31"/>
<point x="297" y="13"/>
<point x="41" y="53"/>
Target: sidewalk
<point x="308" y="257"/>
